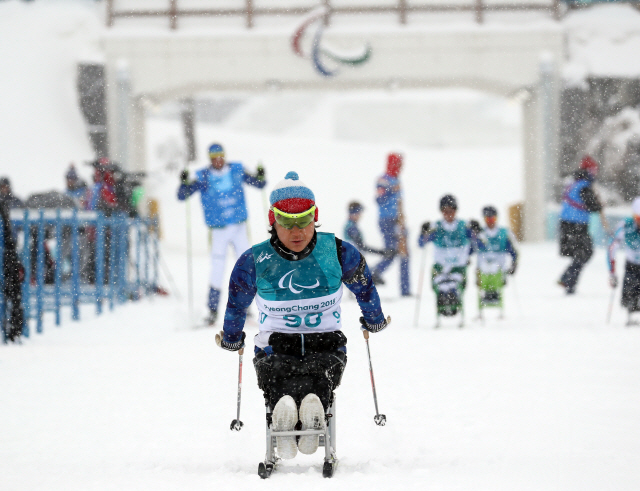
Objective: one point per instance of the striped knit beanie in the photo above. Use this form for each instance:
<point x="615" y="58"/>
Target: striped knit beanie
<point x="291" y="195"/>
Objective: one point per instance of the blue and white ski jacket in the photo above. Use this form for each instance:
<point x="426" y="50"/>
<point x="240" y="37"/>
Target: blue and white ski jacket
<point x="627" y="234"/>
<point x="221" y="193"/>
<point x="453" y="243"/>
<point x="388" y="199"/>
<point x="494" y="247"/>
<point x="298" y="294"/>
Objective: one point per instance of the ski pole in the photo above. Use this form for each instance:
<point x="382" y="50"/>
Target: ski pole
<point x="236" y="424"/>
<point x="265" y="206"/>
<point x="423" y="265"/>
<point x="515" y="293"/>
<point x="167" y="273"/>
<point x="613" y="294"/>
<point x="189" y="263"/>
<point x="380" y="419"/>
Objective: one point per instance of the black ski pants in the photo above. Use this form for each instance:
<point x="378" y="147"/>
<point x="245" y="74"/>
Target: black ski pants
<point x="13" y="296"/>
<point x="318" y="370"/>
<point x="575" y="242"/>
<point x="13" y="276"/>
<point x="631" y="287"/>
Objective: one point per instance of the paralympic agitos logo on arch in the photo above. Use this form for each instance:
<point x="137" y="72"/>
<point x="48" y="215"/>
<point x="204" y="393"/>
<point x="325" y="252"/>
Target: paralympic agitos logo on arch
<point x="325" y="60"/>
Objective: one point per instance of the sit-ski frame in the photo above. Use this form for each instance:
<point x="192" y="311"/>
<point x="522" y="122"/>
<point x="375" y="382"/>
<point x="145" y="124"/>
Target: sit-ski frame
<point x="327" y="440"/>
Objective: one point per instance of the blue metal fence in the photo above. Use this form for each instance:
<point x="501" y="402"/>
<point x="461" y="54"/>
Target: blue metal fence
<point x="73" y="257"/>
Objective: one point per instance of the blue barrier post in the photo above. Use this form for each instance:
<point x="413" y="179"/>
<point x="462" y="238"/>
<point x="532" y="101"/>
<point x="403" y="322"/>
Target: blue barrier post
<point x="156" y="257"/>
<point x="147" y="257"/>
<point x="99" y="261"/>
<point x="123" y="257"/>
<point x="58" y="270"/>
<point x="26" y="263"/>
<point x="138" y="256"/>
<point x="3" y="298"/>
<point x="113" y="242"/>
<point x="40" y="263"/>
<point x="75" y="268"/>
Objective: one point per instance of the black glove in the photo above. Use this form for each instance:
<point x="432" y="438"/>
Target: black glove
<point x="389" y="253"/>
<point x="513" y="268"/>
<point x="475" y="227"/>
<point x="260" y="173"/>
<point x="373" y="250"/>
<point x="184" y="177"/>
<point x="230" y="346"/>
<point x="375" y="327"/>
<point x="426" y="226"/>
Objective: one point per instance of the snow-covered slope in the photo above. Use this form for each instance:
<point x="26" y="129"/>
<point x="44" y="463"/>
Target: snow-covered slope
<point x="544" y="400"/>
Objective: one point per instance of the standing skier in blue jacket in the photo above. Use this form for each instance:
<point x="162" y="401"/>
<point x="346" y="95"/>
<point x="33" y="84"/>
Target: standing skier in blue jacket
<point x="296" y="280"/>
<point x="392" y="223"/>
<point x="225" y="212"/>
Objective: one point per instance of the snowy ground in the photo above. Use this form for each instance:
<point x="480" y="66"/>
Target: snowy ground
<point x="544" y="400"/>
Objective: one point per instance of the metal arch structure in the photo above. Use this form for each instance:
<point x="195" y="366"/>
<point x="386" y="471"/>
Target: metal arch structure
<point x="507" y="61"/>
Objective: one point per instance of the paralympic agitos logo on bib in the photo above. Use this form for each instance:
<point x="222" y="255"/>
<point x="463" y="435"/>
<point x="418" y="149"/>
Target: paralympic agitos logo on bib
<point x="319" y="53"/>
<point x="282" y="281"/>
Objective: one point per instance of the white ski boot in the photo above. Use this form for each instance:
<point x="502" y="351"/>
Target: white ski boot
<point x="312" y="418"/>
<point x="285" y="418"/>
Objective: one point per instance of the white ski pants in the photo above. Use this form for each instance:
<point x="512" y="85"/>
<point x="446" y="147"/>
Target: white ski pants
<point x="235" y="235"/>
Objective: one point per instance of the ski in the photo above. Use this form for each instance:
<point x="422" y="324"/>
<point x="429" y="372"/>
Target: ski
<point x="265" y="469"/>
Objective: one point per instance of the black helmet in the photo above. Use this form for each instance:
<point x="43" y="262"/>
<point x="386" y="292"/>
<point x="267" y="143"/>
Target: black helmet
<point x="489" y="211"/>
<point x="355" y="207"/>
<point x="448" y="201"/>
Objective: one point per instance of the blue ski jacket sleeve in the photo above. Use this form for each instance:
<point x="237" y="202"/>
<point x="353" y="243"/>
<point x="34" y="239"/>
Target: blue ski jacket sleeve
<point x="424" y="238"/>
<point x="511" y="250"/>
<point x="243" y="289"/>
<point x="200" y="184"/>
<point x="616" y="241"/>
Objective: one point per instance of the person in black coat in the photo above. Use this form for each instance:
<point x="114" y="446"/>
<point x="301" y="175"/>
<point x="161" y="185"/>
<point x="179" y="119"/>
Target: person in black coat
<point x="13" y="277"/>
<point x="7" y="196"/>
<point x="579" y="200"/>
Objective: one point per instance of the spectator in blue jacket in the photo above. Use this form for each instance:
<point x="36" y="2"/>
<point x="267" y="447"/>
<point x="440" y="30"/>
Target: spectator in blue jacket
<point x="578" y="201"/>
<point x="225" y="212"/>
<point x="76" y="187"/>
<point x="352" y="232"/>
<point x="392" y="223"/>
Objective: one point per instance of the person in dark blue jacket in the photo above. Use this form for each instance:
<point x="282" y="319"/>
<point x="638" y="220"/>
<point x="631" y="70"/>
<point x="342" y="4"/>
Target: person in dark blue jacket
<point x="578" y="201"/>
<point x="76" y="187"/>
<point x="296" y="280"/>
<point x="352" y="232"/>
<point x="392" y="223"/>
<point x="225" y="212"/>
